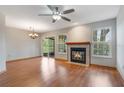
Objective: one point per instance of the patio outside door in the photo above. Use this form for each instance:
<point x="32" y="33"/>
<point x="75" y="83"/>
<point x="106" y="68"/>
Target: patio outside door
<point x="49" y="47"/>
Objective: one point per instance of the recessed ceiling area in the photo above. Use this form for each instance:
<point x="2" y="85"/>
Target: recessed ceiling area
<point x="24" y="16"/>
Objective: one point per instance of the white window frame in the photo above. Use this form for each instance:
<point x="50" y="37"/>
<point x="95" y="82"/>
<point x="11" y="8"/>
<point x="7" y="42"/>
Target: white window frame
<point x="110" y="56"/>
<point x="61" y="43"/>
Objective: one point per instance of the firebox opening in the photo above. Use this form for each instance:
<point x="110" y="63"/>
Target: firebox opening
<point x="78" y="55"/>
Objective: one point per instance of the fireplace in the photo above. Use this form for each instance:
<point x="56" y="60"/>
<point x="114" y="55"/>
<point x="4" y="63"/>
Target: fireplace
<point x="78" y="55"/>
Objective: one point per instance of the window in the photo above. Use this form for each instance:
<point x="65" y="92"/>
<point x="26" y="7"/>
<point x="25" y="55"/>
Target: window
<point x="62" y="47"/>
<point x="102" y="40"/>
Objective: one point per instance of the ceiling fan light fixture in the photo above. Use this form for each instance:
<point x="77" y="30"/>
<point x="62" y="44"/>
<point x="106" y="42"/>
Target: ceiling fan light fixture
<point x="56" y="17"/>
<point x="58" y="14"/>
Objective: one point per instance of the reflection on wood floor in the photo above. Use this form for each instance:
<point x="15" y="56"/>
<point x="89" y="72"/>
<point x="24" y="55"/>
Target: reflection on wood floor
<point x="48" y="72"/>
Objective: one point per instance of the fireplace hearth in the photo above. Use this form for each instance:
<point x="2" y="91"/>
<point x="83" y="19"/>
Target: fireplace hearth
<point x="78" y="55"/>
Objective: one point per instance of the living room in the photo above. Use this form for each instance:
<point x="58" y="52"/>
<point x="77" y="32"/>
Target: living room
<point x="86" y="41"/>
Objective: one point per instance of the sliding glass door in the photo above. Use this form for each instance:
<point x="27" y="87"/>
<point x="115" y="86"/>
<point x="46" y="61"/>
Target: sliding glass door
<point x="49" y="47"/>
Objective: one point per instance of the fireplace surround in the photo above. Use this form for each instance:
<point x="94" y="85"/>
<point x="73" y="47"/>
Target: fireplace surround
<point x="79" y="53"/>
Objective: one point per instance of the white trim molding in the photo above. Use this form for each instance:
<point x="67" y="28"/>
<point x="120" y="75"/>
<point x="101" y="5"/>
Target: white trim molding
<point x="119" y="70"/>
<point x="2" y="71"/>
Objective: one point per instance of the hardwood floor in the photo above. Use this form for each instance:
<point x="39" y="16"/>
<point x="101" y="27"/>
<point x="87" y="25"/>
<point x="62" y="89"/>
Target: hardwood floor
<point x="49" y="73"/>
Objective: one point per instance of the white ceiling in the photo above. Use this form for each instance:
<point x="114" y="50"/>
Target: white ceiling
<point x="25" y="16"/>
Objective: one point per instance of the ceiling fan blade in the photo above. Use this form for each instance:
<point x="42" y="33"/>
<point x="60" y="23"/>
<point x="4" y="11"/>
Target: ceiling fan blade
<point x="44" y="14"/>
<point x="65" y="18"/>
<point x="68" y="11"/>
<point x="53" y="21"/>
<point x="50" y="7"/>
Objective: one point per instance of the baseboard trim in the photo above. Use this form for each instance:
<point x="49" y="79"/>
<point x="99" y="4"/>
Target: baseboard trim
<point x="120" y="72"/>
<point x="103" y="66"/>
<point x="2" y="71"/>
<point x="61" y="59"/>
<point x="23" y="59"/>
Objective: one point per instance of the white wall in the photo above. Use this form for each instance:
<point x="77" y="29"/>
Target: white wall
<point x="84" y="33"/>
<point x="79" y="34"/>
<point x="2" y="44"/>
<point x="120" y="41"/>
<point x="20" y="45"/>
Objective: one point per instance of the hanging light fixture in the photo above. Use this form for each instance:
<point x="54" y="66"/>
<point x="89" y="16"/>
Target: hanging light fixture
<point x="33" y="35"/>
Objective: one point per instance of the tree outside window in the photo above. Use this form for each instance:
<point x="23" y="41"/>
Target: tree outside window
<point x="102" y="42"/>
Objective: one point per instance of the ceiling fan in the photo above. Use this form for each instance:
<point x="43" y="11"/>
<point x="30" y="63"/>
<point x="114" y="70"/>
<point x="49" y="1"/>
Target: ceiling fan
<point x="57" y="14"/>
